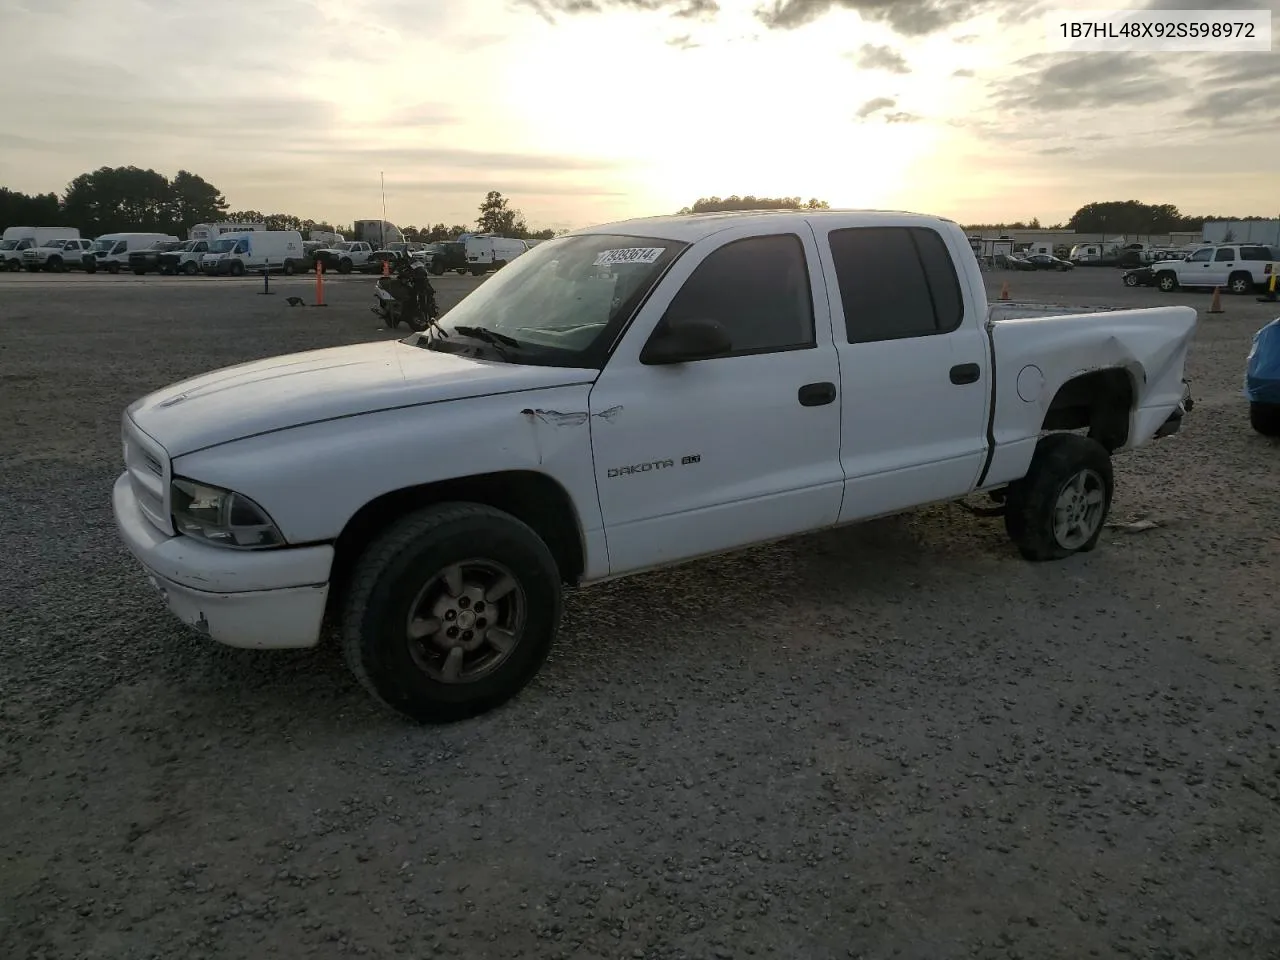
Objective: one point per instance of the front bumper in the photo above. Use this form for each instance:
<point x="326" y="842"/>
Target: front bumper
<point x="260" y="599"/>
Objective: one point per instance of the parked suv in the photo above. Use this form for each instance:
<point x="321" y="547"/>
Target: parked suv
<point x="1240" y="268"/>
<point x="447" y="255"/>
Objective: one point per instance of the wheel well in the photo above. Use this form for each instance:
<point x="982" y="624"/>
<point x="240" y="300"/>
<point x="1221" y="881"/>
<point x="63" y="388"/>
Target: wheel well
<point x="531" y="497"/>
<point x="1101" y="401"/>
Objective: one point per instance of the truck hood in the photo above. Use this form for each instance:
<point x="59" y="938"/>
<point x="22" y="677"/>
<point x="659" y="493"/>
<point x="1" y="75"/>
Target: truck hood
<point x="301" y="388"/>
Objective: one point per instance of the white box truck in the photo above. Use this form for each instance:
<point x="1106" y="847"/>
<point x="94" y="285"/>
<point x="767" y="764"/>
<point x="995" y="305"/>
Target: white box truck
<point x="16" y="239"/>
<point x="212" y="231"/>
<point x="239" y="253"/>
<point x="111" y="251"/>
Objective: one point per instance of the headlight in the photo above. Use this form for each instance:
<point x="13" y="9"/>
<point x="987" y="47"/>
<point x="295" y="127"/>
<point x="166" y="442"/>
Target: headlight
<point x="221" y="516"/>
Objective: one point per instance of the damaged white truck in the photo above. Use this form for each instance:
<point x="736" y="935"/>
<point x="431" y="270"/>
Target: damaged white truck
<point x="618" y="399"/>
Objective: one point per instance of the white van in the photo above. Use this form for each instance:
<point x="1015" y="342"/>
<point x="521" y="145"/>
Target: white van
<point x="212" y="231"/>
<point x="240" y="253"/>
<point x="111" y="251"/>
<point x="17" y="239"/>
<point x="487" y="252"/>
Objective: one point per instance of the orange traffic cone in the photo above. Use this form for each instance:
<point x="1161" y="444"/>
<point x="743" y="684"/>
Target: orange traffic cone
<point x="1216" y="305"/>
<point x="386" y="268"/>
<point x="1004" y="291"/>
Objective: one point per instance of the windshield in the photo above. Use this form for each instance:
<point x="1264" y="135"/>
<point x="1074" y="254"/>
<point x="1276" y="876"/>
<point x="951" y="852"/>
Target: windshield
<point x="8" y="244"/>
<point x="188" y="245"/>
<point x="561" y="299"/>
<point x="225" y="245"/>
<point x="103" y="244"/>
<point x="344" y="246"/>
<point x="53" y="243"/>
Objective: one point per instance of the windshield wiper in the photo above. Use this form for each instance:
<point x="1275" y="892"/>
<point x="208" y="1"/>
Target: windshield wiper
<point x="488" y="336"/>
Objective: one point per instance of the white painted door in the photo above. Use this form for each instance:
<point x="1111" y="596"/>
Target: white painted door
<point x="707" y="455"/>
<point x="1197" y="270"/>
<point x="915" y="367"/>
<point x="1221" y="266"/>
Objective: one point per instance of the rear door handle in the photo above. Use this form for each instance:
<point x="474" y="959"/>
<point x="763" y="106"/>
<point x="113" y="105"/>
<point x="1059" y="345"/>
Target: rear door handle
<point x="965" y="373"/>
<point x="817" y="394"/>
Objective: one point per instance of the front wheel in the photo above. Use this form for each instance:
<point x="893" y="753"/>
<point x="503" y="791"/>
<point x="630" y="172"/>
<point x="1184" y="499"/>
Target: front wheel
<point x="344" y="266"/>
<point x="191" y="268"/>
<point x="1167" y="282"/>
<point x="451" y="611"/>
<point x="1130" y="281"/>
<point x="1059" y="507"/>
<point x="289" y="269"/>
<point x="1265" y="418"/>
<point x="237" y="269"/>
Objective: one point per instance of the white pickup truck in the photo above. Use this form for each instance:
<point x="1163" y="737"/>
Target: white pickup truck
<point x="619" y="399"/>
<point x="345" y="256"/>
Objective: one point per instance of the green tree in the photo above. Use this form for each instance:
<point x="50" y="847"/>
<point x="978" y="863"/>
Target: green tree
<point x="751" y="202"/>
<point x="116" y="199"/>
<point x="195" y="200"/>
<point x="496" y="216"/>
<point x="25" y="210"/>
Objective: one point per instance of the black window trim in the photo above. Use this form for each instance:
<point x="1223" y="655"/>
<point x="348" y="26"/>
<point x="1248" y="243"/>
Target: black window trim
<point x="911" y="230"/>
<point x="812" y="343"/>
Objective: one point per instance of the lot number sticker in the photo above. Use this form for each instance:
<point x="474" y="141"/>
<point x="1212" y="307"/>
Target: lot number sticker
<point x="628" y="255"/>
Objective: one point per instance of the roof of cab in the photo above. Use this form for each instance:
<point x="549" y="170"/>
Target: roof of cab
<point x="690" y="227"/>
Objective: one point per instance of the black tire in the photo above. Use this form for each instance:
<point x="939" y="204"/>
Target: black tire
<point x="55" y="265"/>
<point x="437" y="269"/>
<point x="91" y="268"/>
<point x="1167" y="282"/>
<point x="477" y="271"/>
<point x="391" y="315"/>
<point x="113" y="268"/>
<point x="461" y="271"/>
<point x="344" y="265"/>
<point x="191" y="268"/>
<point x="237" y="268"/>
<point x="139" y="271"/>
<point x="1265" y="418"/>
<point x="289" y="269"/>
<point x="33" y="268"/>
<point x="1031" y="503"/>
<point x="1240" y="283"/>
<point x="1131" y="281"/>
<point x="389" y="578"/>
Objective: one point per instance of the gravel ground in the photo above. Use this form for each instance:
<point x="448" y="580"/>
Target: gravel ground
<point x="894" y="740"/>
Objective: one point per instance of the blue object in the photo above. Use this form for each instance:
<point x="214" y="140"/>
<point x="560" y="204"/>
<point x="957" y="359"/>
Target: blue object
<point x="1262" y="371"/>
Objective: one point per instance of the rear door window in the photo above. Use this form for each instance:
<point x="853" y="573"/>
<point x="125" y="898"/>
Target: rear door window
<point x="895" y="282"/>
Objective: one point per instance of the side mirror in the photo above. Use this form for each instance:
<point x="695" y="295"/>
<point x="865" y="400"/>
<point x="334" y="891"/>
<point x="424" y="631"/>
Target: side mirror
<point x="686" y="340"/>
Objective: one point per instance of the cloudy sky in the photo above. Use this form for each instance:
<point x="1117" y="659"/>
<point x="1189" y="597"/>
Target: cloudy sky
<point x="583" y="111"/>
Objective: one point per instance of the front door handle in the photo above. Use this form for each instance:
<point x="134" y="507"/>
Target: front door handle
<point x="817" y="394"/>
<point x="965" y="373"/>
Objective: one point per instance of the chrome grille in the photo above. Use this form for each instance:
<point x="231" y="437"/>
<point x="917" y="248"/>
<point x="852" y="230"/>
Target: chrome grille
<point x="147" y="465"/>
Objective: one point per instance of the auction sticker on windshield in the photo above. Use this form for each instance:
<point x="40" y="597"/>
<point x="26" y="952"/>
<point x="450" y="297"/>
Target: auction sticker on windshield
<point x="628" y="255"/>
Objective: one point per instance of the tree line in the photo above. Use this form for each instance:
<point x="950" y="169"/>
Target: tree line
<point x="120" y="199"/>
<point x="1113" y="216"/>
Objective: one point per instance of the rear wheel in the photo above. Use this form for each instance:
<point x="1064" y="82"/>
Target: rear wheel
<point x="1240" y="283"/>
<point x="113" y="268"/>
<point x="451" y="611"/>
<point x="190" y="268"/>
<point x="289" y="268"/>
<point x="437" y="269"/>
<point x="1059" y="507"/>
<point x="139" y="271"/>
<point x="1265" y="418"/>
<point x="344" y="266"/>
<point x="1131" y="280"/>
